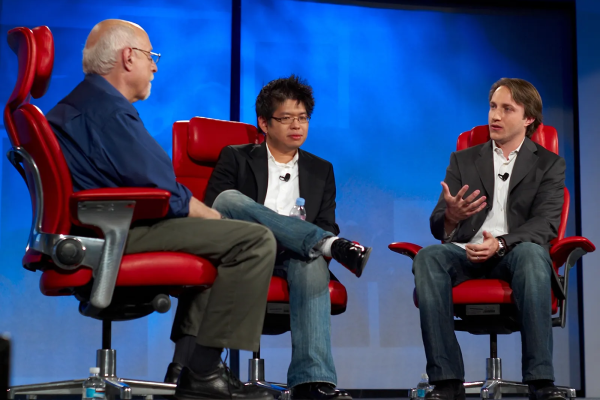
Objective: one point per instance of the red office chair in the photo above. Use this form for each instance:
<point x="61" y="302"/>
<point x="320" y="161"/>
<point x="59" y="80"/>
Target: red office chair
<point x="493" y="297"/>
<point x="196" y="147"/>
<point x="77" y="239"/>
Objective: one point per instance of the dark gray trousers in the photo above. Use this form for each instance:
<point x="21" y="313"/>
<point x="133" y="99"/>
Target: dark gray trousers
<point x="244" y="254"/>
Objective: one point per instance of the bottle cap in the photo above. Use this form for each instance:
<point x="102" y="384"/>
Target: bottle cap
<point x="300" y="201"/>
<point x="424" y="376"/>
<point x="94" y="370"/>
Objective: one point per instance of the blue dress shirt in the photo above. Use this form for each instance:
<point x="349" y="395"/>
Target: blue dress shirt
<point x="105" y="144"/>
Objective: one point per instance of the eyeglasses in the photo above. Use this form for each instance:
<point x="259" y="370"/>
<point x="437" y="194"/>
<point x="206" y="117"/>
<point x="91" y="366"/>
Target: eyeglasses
<point x="151" y="55"/>
<point x="303" y="119"/>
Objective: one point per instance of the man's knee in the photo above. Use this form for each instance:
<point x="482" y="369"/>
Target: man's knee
<point x="265" y="238"/>
<point x="531" y="259"/>
<point x="428" y="258"/>
<point x="229" y="199"/>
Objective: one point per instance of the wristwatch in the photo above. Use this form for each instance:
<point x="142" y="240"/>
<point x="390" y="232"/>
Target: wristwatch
<point x="501" y="248"/>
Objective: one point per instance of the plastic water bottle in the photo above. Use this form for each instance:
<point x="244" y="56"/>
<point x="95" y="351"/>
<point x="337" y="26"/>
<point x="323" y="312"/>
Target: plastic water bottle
<point x="423" y="386"/>
<point x="298" y="211"/>
<point x="94" y="387"/>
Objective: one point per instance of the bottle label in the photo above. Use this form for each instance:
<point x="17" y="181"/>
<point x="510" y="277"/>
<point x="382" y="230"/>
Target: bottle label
<point x="94" y="393"/>
<point x="421" y="393"/>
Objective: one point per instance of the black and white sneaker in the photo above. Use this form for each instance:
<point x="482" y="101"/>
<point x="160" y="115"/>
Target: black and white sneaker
<point x="351" y="255"/>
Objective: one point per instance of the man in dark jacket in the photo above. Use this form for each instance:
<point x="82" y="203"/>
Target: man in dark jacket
<point x="499" y="209"/>
<point x="261" y="183"/>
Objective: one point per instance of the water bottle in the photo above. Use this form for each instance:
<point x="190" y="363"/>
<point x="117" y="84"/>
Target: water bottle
<point x="423" y="386"/>
<point x="93" y="387"/>
<point x="298" y="210"/>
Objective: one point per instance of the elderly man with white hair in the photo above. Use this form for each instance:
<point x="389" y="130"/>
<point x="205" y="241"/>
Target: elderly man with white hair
<point x="106" y="144"/>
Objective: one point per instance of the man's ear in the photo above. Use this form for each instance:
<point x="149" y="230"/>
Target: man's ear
<point x="529" y="121"/>
<point x="127" y="58"/>
<point x="263" y="124"/>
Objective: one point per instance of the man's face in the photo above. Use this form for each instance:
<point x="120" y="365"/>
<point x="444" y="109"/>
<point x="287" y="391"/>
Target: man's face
<point x="143" y="68"/>
<point x="280" y="133"/>
<point x="506" y="118"/>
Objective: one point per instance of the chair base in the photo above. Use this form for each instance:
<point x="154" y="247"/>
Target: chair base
<point x="115" y="387"/>
<point x="256" y="376"/>
<point x="494" y="386"/>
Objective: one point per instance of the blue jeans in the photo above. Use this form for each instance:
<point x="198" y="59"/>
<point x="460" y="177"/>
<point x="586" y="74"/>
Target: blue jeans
<point x="308" y="279"/>
<point x="292" y="233"/>
<point x="527" y="268"/>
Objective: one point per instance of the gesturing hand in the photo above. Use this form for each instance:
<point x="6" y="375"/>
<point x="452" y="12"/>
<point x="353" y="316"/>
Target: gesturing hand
<point x="459" y="209"/>
<point x="481" y="252"/>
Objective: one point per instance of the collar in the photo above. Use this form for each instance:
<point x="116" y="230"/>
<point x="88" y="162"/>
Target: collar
<point x="293" y="161"/>
<point x="498" y="150"/>
<point x="101" y="83"/>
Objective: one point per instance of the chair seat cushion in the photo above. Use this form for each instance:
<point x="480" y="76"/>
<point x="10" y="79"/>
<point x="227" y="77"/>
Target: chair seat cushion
<point x="484" y="291"/>
<point x="280" y="293"/>
<point x="143" y="269"/>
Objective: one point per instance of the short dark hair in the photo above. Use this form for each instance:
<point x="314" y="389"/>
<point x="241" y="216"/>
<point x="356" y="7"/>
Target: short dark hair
<point x="526" y="95"/>
<point x="274" y="93"/>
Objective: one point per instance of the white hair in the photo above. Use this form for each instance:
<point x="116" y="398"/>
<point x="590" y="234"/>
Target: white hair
<point x="101" y="58"/>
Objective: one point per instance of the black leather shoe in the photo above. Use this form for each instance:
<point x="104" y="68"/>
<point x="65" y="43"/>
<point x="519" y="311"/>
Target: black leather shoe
<point x="447" y="391"/>
<point x="318" y="390"/>
<point x="351" y="255"/>
<point x="217" y="384"/>
<point x="173" y="371"/>
<point x="547" y="393"/>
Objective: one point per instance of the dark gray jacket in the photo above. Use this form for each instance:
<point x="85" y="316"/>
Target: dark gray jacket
<point x="535" y="198"/>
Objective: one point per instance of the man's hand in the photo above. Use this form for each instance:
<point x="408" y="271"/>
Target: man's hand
<point x="459" y="209"/>
<point x="200" y="210"/>
<point x="478" y="253"/>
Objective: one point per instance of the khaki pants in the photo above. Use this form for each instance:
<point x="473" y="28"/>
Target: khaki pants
<point x="244" y="254"/>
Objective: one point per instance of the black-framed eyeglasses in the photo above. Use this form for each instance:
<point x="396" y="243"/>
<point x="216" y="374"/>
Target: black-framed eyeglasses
<point x="152" y="55"/>
<point x="303" y="119"/>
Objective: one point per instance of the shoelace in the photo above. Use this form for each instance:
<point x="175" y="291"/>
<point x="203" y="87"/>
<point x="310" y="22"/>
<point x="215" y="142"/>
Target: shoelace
<point x="232" y="380"/>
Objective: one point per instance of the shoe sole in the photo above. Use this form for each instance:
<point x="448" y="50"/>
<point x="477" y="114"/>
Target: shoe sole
<point x="360" y="270"/>
<point x="190" y="396"/>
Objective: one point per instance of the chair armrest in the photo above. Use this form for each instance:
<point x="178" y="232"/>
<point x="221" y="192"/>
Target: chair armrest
<point x="561" y="249"/>
<point x="405" y="248"/>
<point x="112" y="210"/>
<point x="149" y="203"/>
<point x="566" y="251"/>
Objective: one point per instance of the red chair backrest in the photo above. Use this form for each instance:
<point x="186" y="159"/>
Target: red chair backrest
<point x="35" y="53"/>
<point x="197" y="144"/>
<point x="29" y="130"/>
<point x="37" y="138"/>
<point x="545" y="136"/>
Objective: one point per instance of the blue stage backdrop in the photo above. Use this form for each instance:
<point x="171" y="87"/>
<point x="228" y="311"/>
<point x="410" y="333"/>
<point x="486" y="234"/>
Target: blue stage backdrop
<point x="51" y="340"/>
<point x="393" y="90"/>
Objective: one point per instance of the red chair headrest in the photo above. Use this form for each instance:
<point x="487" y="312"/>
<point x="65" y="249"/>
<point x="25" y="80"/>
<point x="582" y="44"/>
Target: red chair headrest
<point x="44" y="61"/>
<point x="544" y="135"/>
<point x="35" y="54"/>
<point x="207" y="137"/>
<point x="22" y="43"/>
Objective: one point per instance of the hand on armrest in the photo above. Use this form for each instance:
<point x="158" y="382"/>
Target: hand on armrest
<point x="200" y="210"/>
